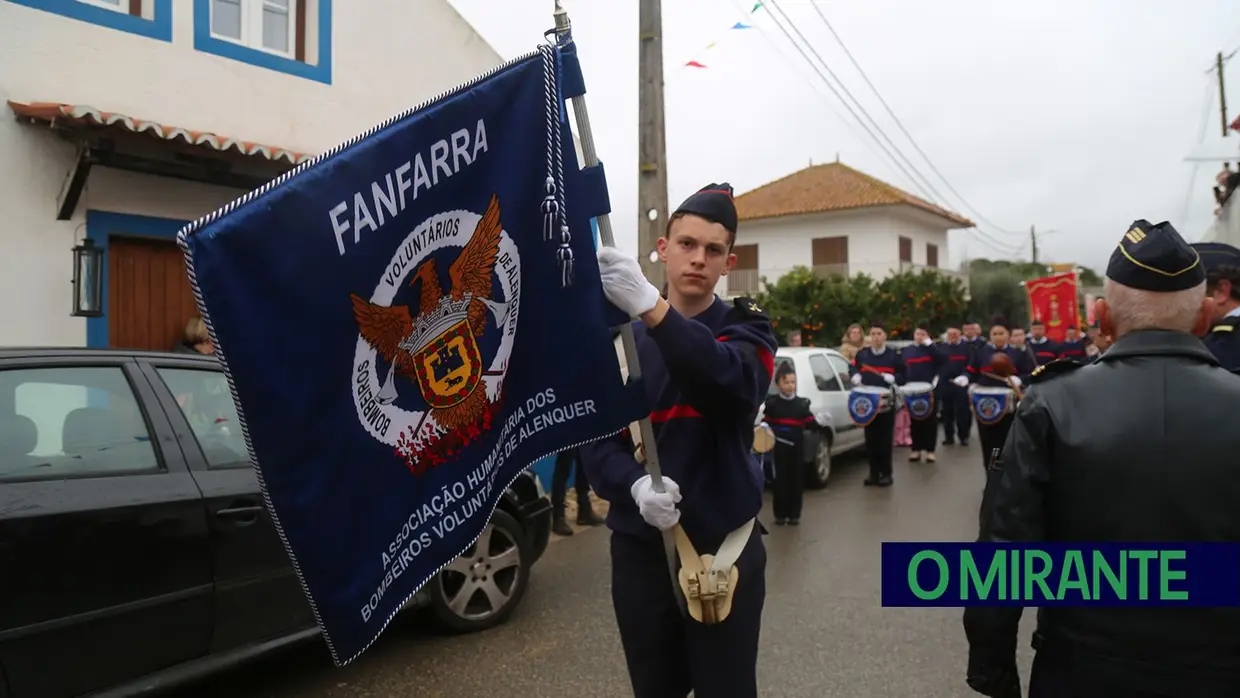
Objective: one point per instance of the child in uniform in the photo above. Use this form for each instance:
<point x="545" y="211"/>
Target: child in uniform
<point x="788" y="416"/>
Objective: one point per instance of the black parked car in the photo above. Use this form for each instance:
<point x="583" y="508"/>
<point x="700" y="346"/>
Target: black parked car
<point x="135" y="551"/>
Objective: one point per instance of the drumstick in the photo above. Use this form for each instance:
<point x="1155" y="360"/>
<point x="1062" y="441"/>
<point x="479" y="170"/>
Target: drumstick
<point x="1007" y="380"/>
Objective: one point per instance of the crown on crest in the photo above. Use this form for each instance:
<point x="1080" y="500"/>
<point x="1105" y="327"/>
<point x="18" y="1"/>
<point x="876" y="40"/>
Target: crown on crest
<point x="430" y="325"/>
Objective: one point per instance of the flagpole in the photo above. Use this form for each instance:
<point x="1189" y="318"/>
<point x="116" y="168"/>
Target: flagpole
<point x="563" y="28"/>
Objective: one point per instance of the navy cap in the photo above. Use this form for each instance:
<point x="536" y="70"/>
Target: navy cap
<point x="1216" y="254"/>
<point x="1155" y="258"/>
<point x="714" y="203"/>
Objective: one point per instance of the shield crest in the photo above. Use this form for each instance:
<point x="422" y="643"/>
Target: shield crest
<point x="990" y="408"/>
<point x="862" y="407"/>
<point x="449" y="367"/>
<point x="920" y="406"/>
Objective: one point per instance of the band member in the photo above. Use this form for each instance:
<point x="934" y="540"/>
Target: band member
<point x="1045" y="350"/>
<point x="922" y="363"/>
<point x="1073" y="346"/>
<point x="1222" y="263"/>
<point x="788" y="416"/>
<point x="954" y="399"/>
<point x="1109" y="476"/>
<point x="879" y="366"/>
<point x="973" y="335"/>
<point x="707" y="365"/>
<point x="996" y="365"/>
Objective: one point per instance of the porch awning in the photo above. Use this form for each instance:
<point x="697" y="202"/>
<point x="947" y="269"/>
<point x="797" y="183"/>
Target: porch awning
<point x="57" y="114"/>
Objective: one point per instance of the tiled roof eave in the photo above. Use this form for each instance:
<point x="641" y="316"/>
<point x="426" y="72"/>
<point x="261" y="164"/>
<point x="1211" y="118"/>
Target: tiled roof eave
<point x="59" y="114"/>
<point x="953" y="218"/>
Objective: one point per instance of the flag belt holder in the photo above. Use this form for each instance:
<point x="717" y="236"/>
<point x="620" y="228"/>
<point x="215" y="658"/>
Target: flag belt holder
<point x="707" y="583"/>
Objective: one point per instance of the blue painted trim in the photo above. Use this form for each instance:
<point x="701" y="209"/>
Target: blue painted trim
<point x="594" y="227"/>
<point x="100" y="227"/>
<point x="321" y="72"/>
<point x="159" y="28"/>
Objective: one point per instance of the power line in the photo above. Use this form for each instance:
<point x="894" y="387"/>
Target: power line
<point x="900" y="124"/>
<point x="1004" y="248"/>
<point x="923" y="184"/>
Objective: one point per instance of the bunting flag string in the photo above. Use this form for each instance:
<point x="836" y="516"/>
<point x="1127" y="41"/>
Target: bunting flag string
<point x="699" y="61"/>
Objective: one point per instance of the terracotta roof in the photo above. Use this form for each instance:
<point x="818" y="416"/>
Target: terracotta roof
<point x="830" y="187"/>
<point x="54" y="113"/>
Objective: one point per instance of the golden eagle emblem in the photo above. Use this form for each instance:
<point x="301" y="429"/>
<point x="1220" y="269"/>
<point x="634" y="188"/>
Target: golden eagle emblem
<point x="438" y="348"/>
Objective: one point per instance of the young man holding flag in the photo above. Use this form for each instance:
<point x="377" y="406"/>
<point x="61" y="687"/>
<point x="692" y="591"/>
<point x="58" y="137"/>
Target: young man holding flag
<point x="707" y="365"/>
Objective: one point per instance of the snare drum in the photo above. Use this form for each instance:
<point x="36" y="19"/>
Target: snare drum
<point x="991" y="405"/>
<point x="865" y="402"/>
<point x="919" y="399"/>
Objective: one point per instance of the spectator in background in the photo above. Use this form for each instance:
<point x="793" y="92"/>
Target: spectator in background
<point x="196" y="340"/>
<point x="1227" y="182"/>
<point x="852" y="342"/>
<point x="564" y="465"/>
<point x="794" y="338"/>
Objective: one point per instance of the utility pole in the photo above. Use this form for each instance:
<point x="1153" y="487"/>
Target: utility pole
<point x="1222" y="92"/>
<point x="1033" y="240"/>
<point x="651" y="140"/>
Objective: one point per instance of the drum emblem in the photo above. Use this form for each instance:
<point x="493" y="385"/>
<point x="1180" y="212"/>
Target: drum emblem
<point x="919" y="407"/>
<point x="988" y="408"/>
<point x="863" y="408"/>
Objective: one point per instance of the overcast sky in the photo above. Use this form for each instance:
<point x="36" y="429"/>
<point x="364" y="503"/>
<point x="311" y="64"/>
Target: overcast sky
<point x="1071" y="115"/>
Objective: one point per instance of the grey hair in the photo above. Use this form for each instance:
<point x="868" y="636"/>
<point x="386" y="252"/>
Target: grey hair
<point x="1133" y="309"/>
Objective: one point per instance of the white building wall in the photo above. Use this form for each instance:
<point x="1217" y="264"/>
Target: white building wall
<point x="873" y="240"/>
<point x="388" y="55"/>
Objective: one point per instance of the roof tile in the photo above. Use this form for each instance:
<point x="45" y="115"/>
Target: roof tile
<point x="830" y="187"/>
<point x="55" y="112"/>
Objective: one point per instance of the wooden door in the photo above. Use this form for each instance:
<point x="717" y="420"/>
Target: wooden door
<point x="149" y="299"/>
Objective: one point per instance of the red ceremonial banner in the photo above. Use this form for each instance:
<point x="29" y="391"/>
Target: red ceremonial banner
<point x="1052" y="300"/>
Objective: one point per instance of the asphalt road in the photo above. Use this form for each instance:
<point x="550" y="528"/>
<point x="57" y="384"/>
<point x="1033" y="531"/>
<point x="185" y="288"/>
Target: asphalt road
<point x="824" y="631"/>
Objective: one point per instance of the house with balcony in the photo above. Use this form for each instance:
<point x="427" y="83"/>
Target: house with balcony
<point x="125" y="119"/>
<point x="836" y="220"/>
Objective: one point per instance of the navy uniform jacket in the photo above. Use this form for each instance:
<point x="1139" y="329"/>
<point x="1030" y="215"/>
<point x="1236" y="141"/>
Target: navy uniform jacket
<point x="1073" y="350"/>
<point x="956" y="359"/>
<point x="921" y="363"/>
<point x="875" y="365"/>
<point x="1224" y="342"/>
<point x="1044" y="351"/>
<point x="705" y="378"/>
<point x="981" y="362"/>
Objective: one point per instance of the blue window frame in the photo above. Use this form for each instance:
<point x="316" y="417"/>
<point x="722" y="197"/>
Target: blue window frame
<point x="320" y="34"/>
<point x="159" y="26"/>
<point x="100" y="227"/>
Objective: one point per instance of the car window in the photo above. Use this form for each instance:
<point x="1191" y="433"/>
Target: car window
<point x="841" y="366"/>
<point x="779" y="361"/>
<point x="71" y="421"/>
<point x="824" y="376"/>
<point x="207" y="404"/>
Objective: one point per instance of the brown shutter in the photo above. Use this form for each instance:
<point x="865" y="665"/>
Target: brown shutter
<point x="746" y="256"/>
<point x="906" y="250"/>
<point x="135" y="8"/>
<point x="299" y="32"/>
<point x="932" y="255"/>
<point x="827" y="251"/>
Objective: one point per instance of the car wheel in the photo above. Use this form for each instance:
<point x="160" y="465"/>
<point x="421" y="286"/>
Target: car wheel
<point x="818" y="471"/>
<point x="479" y="589"/>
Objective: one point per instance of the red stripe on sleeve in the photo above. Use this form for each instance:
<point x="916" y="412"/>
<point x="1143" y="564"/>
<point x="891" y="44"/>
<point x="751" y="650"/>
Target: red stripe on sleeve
<point x="674" y="412"/>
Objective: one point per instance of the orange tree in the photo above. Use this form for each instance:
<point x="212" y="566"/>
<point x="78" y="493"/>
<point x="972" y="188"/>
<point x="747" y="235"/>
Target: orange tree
<point x="927" y="297"/>
<point x="821" y="307"/>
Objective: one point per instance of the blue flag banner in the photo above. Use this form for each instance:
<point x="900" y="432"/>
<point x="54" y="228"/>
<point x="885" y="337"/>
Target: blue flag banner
<point x="407" y="323"/>
<point x="1061" y="574"/>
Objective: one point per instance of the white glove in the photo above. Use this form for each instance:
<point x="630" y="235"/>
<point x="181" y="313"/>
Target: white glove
<point x="1015" y="381"/>
<point x="927" y="342"/>
<point x="934" y="383"/>
<point x="961" y="381"/>
<point x="657" y="508"/>
<point x="856" y="380"/>
<point x="623" y="283"/>
<point x="888" y="378"/>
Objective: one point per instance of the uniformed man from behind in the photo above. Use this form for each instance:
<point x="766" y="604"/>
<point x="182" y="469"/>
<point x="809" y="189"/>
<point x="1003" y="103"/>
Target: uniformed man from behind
<point x="707" y="365"/>
<point x="1139" y="445"/>
<point x="1222" y="262"/>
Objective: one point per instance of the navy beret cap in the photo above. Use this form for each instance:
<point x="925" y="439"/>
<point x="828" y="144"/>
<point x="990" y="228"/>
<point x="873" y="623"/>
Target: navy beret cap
<point x="714" y="203"/>
<point x="1155" y="258"/>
